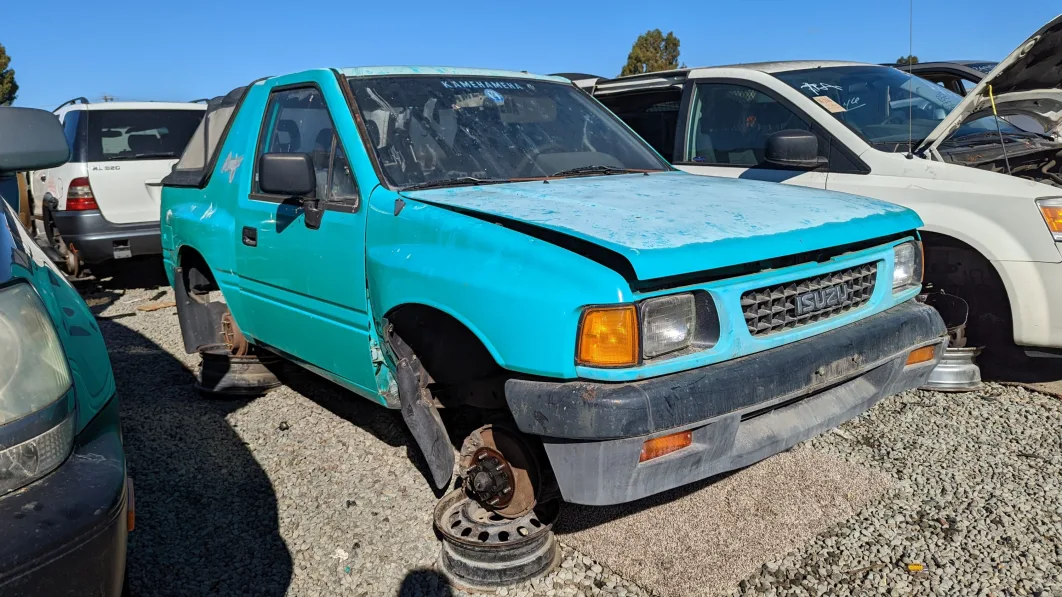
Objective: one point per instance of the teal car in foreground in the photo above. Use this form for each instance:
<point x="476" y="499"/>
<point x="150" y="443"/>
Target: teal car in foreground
<point x="499" y="244"/>
<point x="64" y="495"/>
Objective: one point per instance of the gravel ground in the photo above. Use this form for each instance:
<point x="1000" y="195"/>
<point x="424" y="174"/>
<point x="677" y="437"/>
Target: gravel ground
<point x="305" y="491"/>
<point x="976" y="510"/>
<point x="311" y="491"/>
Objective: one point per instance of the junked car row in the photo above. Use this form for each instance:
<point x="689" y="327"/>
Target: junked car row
<point x="502" y="259"/>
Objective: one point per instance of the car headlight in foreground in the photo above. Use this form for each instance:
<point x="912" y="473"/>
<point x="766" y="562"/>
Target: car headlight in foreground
<point x="36" y="429"/>
<point x="659" y="327"/>
<point x="907" y="265"/>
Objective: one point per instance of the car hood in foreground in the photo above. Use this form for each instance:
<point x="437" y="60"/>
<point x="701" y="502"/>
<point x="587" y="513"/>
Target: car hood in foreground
<point x="1026" y="82"/>
<point x="674" y="223"/>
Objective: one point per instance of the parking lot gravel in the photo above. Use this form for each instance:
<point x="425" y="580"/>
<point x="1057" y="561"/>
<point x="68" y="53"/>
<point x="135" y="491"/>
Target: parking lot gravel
<point x="310" y="490"/>
<point x="976" y="510"/>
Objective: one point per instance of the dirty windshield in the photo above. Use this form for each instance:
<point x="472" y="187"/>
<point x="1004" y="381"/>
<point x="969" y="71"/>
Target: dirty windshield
<point x="885" y="105"/>
<point x="431" y="131"/>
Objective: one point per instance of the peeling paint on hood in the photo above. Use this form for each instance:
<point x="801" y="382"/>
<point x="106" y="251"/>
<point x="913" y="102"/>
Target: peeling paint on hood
<point x="674" y="223"/>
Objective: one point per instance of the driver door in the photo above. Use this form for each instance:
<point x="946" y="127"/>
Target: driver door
<point x="727" y="133"/>
<point x="304" y="288"/>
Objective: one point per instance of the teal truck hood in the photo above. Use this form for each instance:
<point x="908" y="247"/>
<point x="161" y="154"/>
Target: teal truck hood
<point x="675" y="223"/>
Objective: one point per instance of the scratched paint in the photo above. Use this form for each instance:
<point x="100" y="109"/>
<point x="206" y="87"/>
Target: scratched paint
<point x="673" y="223"/>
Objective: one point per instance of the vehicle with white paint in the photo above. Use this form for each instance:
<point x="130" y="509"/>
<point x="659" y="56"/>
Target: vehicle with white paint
<point x="873" y="130"/>
<point x="104" y="203"/>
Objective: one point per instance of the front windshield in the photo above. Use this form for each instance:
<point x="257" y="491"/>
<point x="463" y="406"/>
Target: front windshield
<point x="885" y="105"/>
<point x="446" y="130"/>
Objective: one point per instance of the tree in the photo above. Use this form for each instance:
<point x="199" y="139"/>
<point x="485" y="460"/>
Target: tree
<point x="905" y="60"/>
<point x="652" y="51"/>
<point x="8" y="86"/>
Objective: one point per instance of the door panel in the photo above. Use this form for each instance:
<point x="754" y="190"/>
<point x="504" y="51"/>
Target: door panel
<point x="304" y="289"/>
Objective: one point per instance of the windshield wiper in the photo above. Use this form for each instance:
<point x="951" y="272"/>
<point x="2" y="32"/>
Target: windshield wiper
<point x="142" y="156"/>
<point x="597" y="169"/>
<point x="458" y="181"/>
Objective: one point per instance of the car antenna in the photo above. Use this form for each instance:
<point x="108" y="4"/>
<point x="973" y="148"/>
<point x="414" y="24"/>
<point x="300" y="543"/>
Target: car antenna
<point x="910" y="80"/>
<point x="995" y="116"/>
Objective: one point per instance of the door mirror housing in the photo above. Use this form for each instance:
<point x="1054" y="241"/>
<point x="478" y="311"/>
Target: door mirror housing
<point x="287" y="174"/>
<point x="292" y="175"/>
<point x="794" y="149"/>
<point x="31" y="139"/>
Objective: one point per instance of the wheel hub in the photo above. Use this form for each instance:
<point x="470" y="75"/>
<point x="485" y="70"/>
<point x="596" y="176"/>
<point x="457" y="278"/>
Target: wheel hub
<point x="500" y="471"/>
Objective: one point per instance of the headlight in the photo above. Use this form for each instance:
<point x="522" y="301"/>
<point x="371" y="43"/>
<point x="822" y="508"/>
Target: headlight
<point x="907" y="265"/>
<point x="608" y="337"/>
<point x="668" y="324"/>
<point x="1051" y="210"/>
<point x="33" y="376"/>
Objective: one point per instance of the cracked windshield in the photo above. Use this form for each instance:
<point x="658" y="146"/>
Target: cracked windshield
<point x="885" y="105"/>
<point x="445" y="131"/>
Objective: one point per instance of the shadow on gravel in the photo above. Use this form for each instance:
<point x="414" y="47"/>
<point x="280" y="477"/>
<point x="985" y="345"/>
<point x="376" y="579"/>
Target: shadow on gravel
<point x="424" y="583"/>
<point x="206" y="519"/>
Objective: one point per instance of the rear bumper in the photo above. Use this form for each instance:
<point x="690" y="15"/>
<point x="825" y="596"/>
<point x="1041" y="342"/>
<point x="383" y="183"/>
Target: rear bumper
<point x="739" y="411"/>
<point x="96" y="239"/>
<point x="66" y="533"/>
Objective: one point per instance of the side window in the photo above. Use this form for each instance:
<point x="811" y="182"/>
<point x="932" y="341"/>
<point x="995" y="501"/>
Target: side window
<point x="298" y="121"/>
<point x="729" y="125"/>
<point x="70" y="127"/>
<point x="653" y="115"/>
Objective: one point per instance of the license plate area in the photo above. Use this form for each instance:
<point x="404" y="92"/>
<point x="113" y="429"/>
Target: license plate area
<point x="121" y="249"/>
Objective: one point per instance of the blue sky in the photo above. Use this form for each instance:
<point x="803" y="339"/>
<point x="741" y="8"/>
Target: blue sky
<point x="194" y="48"/>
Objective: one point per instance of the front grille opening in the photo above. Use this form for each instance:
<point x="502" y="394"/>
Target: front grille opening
<point x="775" y="308"/>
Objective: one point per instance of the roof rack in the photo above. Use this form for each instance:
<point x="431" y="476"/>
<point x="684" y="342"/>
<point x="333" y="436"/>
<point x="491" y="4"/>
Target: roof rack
<point x="76" y="100"/>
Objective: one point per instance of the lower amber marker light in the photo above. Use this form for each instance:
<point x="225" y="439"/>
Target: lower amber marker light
<point x="921" y="355"/>
<point x="662" y="446"/>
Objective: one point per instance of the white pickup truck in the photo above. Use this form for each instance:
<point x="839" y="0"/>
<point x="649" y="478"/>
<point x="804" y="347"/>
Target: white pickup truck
<point x="990" y="193"/>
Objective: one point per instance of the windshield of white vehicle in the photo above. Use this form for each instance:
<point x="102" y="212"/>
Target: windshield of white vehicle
<point x="463" y="130"/>
<point x="885" y="105"/>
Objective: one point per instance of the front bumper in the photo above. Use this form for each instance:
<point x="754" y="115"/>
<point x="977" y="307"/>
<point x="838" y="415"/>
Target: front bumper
<point x="65" y="534"/>
<point x="97" y="239"/>
<point x="740" y="411"/>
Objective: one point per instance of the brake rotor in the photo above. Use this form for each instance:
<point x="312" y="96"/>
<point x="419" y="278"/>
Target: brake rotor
<point x="500" y="471"/>
<point x="233" y="337"/>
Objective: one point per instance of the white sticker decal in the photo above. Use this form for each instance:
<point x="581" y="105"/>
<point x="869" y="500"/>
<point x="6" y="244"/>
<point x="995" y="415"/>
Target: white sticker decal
<point x="231" y="165"/>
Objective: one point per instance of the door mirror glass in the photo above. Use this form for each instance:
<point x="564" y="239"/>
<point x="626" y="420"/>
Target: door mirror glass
<point x="287" y="174"/>
<point x="794" y="149"/>
<point x="31" y="139"/>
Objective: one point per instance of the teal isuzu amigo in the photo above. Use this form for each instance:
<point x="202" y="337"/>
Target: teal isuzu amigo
<point x="462" y="243"/>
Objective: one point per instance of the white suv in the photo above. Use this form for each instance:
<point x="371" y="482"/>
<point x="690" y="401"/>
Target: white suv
<point x="104" y="203"/>
<point x="989" y="237"/>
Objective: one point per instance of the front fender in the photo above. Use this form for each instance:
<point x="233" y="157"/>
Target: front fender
<point x="521" y="296"/>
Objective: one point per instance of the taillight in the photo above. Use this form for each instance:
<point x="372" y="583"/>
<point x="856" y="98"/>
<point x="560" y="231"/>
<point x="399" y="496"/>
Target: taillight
<point x="79" y="195"/>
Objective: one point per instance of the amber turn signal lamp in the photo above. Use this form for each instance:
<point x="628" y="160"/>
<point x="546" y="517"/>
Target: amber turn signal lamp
<point x="1053" y="216"/>
<point x="608" y="337"/>
<point x="921" y="355"/>
<point x="662" y="446"/>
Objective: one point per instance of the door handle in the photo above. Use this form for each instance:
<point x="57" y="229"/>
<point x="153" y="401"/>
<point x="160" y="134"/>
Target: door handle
<point x="250" y="236"/>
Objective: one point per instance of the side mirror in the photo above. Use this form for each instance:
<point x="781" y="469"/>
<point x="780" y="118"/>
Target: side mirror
<point x="292" y="175"/>
<point x="31" y="139"/>
<point x="794" y="149"/>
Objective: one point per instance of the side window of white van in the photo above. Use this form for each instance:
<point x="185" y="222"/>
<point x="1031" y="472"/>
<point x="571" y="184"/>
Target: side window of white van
<point x="729" y="125"/>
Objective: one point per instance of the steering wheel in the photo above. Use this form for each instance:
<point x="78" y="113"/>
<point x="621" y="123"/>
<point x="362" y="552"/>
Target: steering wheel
<point x="895" y="119"/>
<point x="529" y="159"/>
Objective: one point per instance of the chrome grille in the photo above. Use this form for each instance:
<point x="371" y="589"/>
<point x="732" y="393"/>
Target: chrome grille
<point x="774" y="309"/>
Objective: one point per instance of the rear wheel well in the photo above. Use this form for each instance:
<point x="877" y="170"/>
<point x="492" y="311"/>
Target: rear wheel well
<point x="957" y="268"/>
<point x="463" y="371"/>
<point x="198" y="278"/>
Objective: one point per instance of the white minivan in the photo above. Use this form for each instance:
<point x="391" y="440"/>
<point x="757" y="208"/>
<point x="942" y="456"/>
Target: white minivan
<point x="990" y="193"/>
<point x="104" y="203"/>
